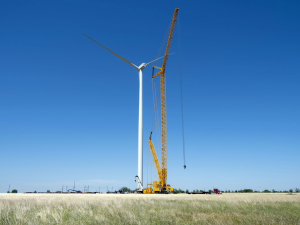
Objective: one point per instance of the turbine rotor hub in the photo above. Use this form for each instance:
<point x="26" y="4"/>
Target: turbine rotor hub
<point x="142" y="66"/>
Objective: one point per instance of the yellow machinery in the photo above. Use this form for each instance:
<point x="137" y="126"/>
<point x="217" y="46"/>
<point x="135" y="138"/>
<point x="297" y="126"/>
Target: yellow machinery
<point x="161" y="186"/>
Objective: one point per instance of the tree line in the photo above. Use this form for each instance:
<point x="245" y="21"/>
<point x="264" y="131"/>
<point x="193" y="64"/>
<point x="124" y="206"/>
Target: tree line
<point x="177" y="191"/>
<point x="295" y="190"/>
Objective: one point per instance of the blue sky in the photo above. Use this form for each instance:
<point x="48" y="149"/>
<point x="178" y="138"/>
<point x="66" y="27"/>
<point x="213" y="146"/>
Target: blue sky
<point x="69" y="108"/>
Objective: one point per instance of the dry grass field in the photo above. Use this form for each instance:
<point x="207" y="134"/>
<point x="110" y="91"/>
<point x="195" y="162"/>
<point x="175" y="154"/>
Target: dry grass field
<point x="149" y="209"/>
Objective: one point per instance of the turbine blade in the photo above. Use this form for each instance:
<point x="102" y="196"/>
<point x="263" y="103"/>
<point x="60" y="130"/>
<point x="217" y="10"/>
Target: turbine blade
<point x="131" y="64"/>
<point x="157" y="59"/>
<point x="153" y="61"/>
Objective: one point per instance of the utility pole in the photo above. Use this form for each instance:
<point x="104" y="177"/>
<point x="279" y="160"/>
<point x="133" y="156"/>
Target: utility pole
<point x="62" y="189"/>
<point x="8" y="188"/>
<point x="112" y="189"/>
<point x="74" y="185"/>
<point x="86" y="188"/>
<point x="107" y="188"/>
<point x="99" y="190"/>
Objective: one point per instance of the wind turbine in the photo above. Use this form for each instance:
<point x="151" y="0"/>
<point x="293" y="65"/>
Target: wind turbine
<point x="140" y="129"/>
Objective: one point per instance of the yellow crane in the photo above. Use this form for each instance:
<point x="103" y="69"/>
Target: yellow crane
<point x="161" y="185"/>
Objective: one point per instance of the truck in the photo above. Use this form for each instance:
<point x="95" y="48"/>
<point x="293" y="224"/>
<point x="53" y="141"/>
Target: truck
<point x="200" y="193"/>
<point x="73" y="191"/>
<point x="217" y="191"/>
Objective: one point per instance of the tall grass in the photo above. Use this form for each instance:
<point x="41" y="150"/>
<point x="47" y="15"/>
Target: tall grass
<point x="149" y="209"/>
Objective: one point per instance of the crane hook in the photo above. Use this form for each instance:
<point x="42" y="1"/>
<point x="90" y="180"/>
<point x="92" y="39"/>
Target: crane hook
<point x="184" y="166"/>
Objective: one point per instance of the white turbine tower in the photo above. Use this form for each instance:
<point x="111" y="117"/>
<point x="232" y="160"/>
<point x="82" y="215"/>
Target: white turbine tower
<point x="140" y="129"/>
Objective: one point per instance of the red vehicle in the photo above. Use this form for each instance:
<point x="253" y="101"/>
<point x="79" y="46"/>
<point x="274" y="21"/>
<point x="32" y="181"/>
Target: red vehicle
<point x="217" y="191"/>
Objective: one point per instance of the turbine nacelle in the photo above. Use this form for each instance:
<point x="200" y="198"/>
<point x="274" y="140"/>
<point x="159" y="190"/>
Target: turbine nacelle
<point x="142" y="66"/>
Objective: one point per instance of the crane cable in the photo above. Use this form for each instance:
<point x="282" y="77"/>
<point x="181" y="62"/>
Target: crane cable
<point x="155" y="122"/>
<point x="156" y="96"/>
<point x="163" y="43"/>
<point x="148" y="164"/>
<point x="156" y="118"/>
<point x="183" y="142"/>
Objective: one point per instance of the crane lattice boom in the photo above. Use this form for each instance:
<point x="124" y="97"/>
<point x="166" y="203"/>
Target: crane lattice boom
<point x="163" y="171"/>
